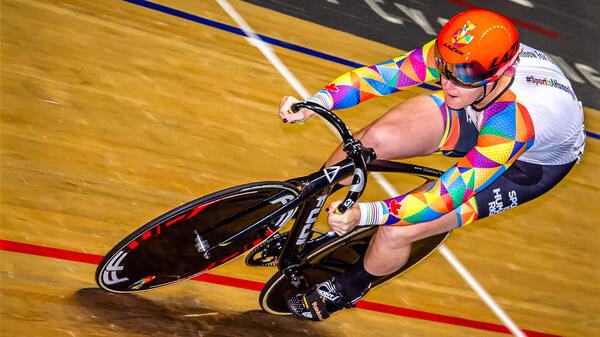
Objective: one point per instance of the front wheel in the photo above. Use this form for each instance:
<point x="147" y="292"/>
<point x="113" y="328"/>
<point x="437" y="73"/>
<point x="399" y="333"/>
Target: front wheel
<point x="335" y="256"/>
<point x="190" y="240"/>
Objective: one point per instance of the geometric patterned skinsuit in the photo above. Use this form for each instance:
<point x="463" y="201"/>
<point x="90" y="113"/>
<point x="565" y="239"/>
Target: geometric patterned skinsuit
<point x="505" y="133"/>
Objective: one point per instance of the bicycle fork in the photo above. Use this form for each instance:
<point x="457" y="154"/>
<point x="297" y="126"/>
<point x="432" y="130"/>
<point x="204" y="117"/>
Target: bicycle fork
<point x="318" y="186"/>
<point x="300" y="233"/>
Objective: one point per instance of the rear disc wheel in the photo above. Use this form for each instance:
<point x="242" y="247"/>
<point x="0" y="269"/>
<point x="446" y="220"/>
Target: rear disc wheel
<point x="189" y="240"/>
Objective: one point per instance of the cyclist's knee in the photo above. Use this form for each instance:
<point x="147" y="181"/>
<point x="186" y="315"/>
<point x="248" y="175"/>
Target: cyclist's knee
<point x="400" y="135"/>
<point x="379" y="138"/>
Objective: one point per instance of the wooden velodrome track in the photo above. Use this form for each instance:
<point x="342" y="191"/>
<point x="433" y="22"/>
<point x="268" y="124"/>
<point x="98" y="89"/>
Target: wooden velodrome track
<point x="113" y="113"/>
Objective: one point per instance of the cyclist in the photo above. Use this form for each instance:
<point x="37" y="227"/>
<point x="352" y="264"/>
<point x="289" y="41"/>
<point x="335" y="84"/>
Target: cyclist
<point x="505" y="109"/>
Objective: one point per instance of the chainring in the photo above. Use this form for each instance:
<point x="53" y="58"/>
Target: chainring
<point x="266" y="253"/>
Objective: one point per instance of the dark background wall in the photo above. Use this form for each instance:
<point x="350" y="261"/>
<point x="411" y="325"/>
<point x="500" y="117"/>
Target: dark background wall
<point x="568" y="30"/>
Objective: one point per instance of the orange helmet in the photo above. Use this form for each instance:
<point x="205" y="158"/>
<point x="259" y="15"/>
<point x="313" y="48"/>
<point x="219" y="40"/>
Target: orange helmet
<point x="475" y="47"/>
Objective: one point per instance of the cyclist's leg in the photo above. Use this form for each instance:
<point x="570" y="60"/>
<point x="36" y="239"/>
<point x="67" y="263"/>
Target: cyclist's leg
<point x="459" y="136"/>
<point x="420" y="126"/>
<point x="390" y="247"/>
<point x="410" y="129"/>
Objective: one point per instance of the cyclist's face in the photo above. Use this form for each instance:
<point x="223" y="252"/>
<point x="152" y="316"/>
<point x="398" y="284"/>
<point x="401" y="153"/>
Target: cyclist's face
<point x="459" y="96"/>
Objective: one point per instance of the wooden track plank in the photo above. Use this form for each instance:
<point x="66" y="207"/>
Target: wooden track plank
<point x="113" y="114"/>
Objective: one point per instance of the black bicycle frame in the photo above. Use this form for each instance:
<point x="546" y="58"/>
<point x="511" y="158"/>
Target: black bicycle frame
<point x="311" y="187"/>
<point x="316" y="187"/>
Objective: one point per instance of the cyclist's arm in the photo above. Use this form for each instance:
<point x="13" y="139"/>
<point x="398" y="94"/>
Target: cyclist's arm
<point x="506" y="133"/>
<point x="400" y="73"/>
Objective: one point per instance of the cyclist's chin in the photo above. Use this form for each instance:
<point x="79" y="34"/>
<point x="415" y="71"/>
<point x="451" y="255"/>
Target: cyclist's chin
<point x="457" y="102"/>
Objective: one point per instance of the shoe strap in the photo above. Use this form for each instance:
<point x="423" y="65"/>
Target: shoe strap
<point x="316" y="305"/>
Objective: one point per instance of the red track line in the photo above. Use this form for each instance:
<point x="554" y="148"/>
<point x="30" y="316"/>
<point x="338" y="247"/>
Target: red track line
<point x="230" y="281"/>
<point x="25" y="248"/>
<point x="428" y="316"/>
<point x="517" y="22"/>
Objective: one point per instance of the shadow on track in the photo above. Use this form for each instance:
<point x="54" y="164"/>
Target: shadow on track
<point x="128" y="313"/>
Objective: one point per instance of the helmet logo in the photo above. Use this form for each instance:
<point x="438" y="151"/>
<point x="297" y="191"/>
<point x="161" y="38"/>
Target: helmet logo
<point x="460" y="37"/>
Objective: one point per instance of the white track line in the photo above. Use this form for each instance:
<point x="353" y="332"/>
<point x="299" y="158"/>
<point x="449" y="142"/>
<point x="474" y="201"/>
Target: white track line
<point x="264" y="48"/>
<point x="480" y="291"/>
<point x="254" y="40"/>
<point x="391" y="190"/>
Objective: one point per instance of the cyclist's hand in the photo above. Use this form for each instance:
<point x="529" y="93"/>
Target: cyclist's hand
<point x="343" y="223"/>
<point x="287" y="116"/>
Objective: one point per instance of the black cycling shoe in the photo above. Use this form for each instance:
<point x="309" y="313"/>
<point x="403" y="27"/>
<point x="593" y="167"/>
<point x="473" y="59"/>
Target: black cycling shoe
<point x="319" y="302"/>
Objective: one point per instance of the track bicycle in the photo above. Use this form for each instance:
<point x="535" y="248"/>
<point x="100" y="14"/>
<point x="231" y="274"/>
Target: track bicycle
<point x="205" y="233"/>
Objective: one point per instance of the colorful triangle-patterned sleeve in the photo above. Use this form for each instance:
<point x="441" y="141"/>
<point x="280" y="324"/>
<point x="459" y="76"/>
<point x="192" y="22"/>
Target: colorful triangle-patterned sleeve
<point x="507" y="131"/>
<point x="400" y="73"/>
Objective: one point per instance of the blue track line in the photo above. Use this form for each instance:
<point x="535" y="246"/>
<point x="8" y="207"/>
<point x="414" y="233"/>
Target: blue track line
<point x="592" y="134"/>
<point x="269" y="40"/>
<point x="238" y="31"/>
<point x="276" y="42"/>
